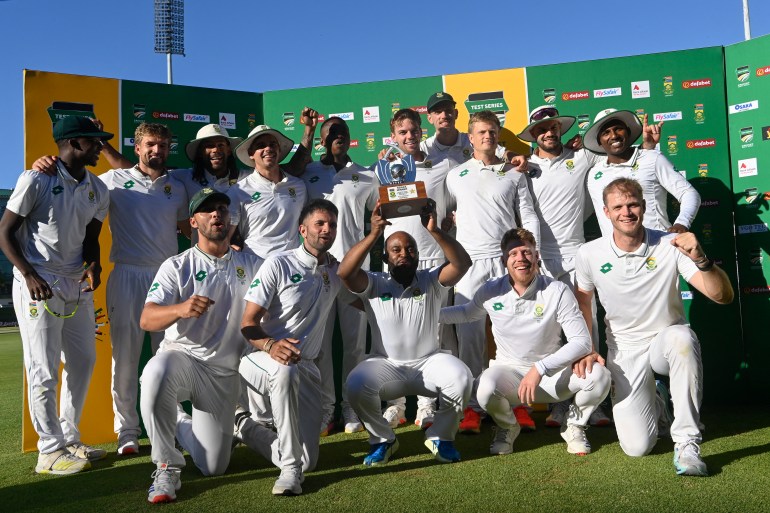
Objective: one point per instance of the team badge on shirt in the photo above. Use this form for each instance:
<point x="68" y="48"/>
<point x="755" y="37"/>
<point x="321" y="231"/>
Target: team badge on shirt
<point x="325" y="277"/>
<point x="57" y="190"/>
<point x="167" y="190"/>
<point x="355" y="178"/>
<point x="539" y="309"/>
<point x="651" y="264"/>
<point x="466" y="152"/>
<point x="570" y="164"/>
<point x="240" y="273"/>
<point x="635" y="167"/>
<point x="201" y="276"/>
<point x="91" y="196"/>
<point x="418" y="295"/>
<point x="33" y="310"/>
<point x="292" y="192"/>
<point x="428" y="164"/>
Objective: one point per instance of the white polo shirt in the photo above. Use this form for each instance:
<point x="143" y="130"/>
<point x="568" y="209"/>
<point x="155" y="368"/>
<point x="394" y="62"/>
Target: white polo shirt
<point x="559" y="192"/>
<point x="298" y="295"/>
<point x="215" y="337"/>
<point x="638" y="290"/>
<point x="144" y="216"/>
<point x="657" y="176"/>
<point x="404" y="321"/>
<point x="448" y="157"/>
<point x="488" y="199"/>
<point x="352" y="189"/>
<point x="56" y="211"/>
<point x="528" y="328"/>
<point x="267" y="213"/>
<point x="193" y="186"/>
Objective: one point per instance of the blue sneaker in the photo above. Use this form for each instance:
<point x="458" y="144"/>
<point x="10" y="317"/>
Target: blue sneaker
<point x="443" y="450"/>
<point x="380" y="453"/>
<point x="687" y="460"/>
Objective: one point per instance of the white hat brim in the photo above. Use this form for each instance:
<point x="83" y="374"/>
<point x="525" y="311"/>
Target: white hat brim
<point x="566" y="124"/>
<point x="626" y="116"/>
<point x="242" y="150"/>
<point x="191" y="150"/>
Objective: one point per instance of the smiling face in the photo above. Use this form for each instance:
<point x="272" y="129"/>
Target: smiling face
<point x="407" y="135"/>
<point x="548" y="135"/>
<point x="613" y="138"/>
<point x="213" y="153"/>
<point x="152" y="151"/>
<point x="521" y="261"/>
<point x="625" y="210"/>
<point x="90" y="147"/>
<point x="443" y="116"/>
<point x="264" y="151"/>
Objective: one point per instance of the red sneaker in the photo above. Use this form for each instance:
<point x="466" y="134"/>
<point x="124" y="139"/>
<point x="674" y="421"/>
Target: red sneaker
<point x="523" y="418"/>
<point x="471" y="422"/>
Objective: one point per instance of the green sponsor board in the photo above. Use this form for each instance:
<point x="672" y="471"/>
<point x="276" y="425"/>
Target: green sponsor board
<point x="747" y="75"/>
<point x="686" y="91"/>
<point x="367" y="109"/>
<point x="185" y="110"/>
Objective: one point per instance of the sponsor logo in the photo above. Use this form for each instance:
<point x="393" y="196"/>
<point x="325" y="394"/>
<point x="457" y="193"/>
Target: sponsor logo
<point x="227" y="120"/>
<point x="762" y="71"/>
<point x="742" y="74"/>
<point x="575" y="95"/>
<point x="703" y="170"/>
<point x="640" y="114"/>
<point x="707" y="233"/>
<point x="294" y="147"/>
<point x="640" y="89"/>
<point x="740" y="107"/>
<point x="766" y="133"/>
<point x="745" y="229"/>
<point x="698" y="82"/>
<point x="496" y="105"/>
<point x="760" y="289"/>
<point x="321" y="118"/>
<point x="673" y="145"/>
<point x="756" y="258"/>
<point x="667" y="116"/>
<point x="668" y="86"/>
<point x="165" y="115"/>
<point x="197" y="118"/>
<point x="747" y="167"/>
<point x="394" y="107"/>
<point x="698" y="113"/>
<point x="686" y="295"/>
<point x="709" y="203"/>
<point x="701" y="143"/>
<point x="747" y="137"/>
<point x="354" y="143"/>
<point x="388" y="141"/>
<point x="420" y="109"/>
<point x="296" y="278"/>
<point x="252" y="120"/>
<point x="201" y="275"/>
<point x="424" y="135"/>
<point x="370" y="141"/>
<point x="128" y="141"/>
<point x="497" y="307"/>
<point x="583" y="120"/>
<point x="173" y="147"/>
<point x="346" y="116"/>
<point x="610" y="91"/>
<point x="607" y="267"/>
<point x="371" y="114"/>
<point x="317" y="146"/>
<point x="288" y="120"/>
<point x="549" y="95"/>
<point x="139" y="111"/>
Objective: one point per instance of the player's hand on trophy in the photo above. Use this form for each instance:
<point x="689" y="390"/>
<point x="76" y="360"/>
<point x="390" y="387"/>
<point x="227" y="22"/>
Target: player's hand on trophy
<point x="46" y="165"/>
<point x="390" y="156"/>
<point x="428" y="216"/>
<point x="309" y="117"/>
<point x="378" y="222"/>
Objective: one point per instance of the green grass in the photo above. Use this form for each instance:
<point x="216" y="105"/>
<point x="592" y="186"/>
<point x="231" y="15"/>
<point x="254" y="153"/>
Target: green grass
<point x="539" y="476"/>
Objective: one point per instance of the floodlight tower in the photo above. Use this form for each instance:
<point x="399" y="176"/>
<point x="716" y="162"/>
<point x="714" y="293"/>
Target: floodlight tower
<point x="746" y="21"/>
<point x="169" y="30"/>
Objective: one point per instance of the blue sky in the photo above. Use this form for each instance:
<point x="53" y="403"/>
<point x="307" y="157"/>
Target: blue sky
<point x="252" y="45"/>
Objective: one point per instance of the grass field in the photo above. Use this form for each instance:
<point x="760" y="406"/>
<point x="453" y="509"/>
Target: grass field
<point x="539" y="476"/>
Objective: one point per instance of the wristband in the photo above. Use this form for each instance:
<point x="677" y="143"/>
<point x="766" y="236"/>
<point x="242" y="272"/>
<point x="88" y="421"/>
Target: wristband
<point x="705" y="265"/>
<point x="268" y="345"/>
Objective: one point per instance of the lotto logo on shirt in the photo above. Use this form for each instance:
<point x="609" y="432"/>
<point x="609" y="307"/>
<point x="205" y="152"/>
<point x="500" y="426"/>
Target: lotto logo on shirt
<point x="296" y="278"/>
<point x="607" y="267"/>
<point x="575" y="95"/>
<point x="255" y="283"/>
<point x="57" y="190"/>
<point x="387" y="296"/>
<point x="201" y="275"/>
<point x="497" y="307"/>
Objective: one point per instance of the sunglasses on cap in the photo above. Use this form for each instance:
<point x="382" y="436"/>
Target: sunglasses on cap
<point x="539" y="115"/>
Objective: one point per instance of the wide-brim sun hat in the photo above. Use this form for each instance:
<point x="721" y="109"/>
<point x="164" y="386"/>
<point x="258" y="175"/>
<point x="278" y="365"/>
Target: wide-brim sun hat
<point x="630" y="119"/>
<point x="542" y="114"/>
<point x="242" y="150"/>
<point x="207" y="132"/>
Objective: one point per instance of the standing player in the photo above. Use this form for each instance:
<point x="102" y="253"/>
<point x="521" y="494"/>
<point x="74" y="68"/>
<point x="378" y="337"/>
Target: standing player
<point x="636" y="272"/>
<point x="50" y="233"/>
<point x="529" y="312"/>
<point x="352" y="188"/>
<point x="489" y="200"/>
<point x="287" y="306"/>
<point x="403" y="307"/>
<point x="196" y="298"/>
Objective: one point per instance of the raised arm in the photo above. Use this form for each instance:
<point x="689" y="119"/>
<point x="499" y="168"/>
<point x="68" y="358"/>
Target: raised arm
<point x="458" y="260"/>
<point x="349" y="271"/>
<point x="302" y="157"/>
<point x="526" y="209"/>
<point x="710" y="280"/>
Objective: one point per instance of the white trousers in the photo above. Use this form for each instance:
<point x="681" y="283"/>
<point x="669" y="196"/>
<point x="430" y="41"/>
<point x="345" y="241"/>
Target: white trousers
<point x="127" y="289"/>
<point x="499" y="385"/>
<point x="439" y="375"/>
<point x="674" y="352"/>
<point x="46" y="341"/>
<point x="171" y="377"/>
<point x="292" y="389"/>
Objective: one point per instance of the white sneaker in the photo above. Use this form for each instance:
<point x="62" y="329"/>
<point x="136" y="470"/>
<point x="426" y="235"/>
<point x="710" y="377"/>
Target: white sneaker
<point x="61" y="463"/>
<point x="86" y="452"/>
<point x="166" y="482"/>
<point x="598" y="418"/>
<point x="289" y="482"/>
<point x="425" y="415"/>
<point x="395" y="415"/>
<point x="502" y="443"/>
<point x="687" y="460"/>
<point x="575" y="436"/>
<point x="128" y="445"/>
<point x="558" y="414"/>
<point x="351" y="420"/>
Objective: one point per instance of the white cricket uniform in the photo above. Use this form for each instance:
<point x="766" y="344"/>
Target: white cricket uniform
<point x="198" y="359"/>
<point x="405" y="357"/>
<point x="646" y="332"/>
<point x="488" y="200"/>
<point x="527" y="330"/>
<point x="143" y="221"/>
<point x="352" y="189"/>
<point x="657" y="176"/>
<point x="193" y="186"/>
<point x="267" y="213"/>
<point x="298" y="295"/>
<point x="55" y="250"/>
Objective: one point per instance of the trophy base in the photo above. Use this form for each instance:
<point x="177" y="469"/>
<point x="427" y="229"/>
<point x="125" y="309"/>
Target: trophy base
<point x="402" y="200"/>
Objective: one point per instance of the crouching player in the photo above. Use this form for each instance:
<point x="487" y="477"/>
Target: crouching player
<point x="528" y="313"/>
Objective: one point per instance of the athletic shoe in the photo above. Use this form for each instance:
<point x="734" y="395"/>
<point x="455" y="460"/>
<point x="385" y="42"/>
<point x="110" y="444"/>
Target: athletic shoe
<point x="599" y="419"/>
<point x="687" y="460"/>
<point x="128" y="445"/>
<point x="575" y="436"/>
<point x="380" y="453"/>
<point x="61" y="463"/>
<point x="558" y="414"/>
<point x="502" y="443"/>
<point x="523" y="418"/>
<point x="425" y="416"/>
<point x="443" y="450"/>
<point x="665" y="417"/>
<point x="352" y="423"/>
<point x="165" y="483"/>
<point x="395" y="415"/>
<point x="86" y="452"/>
<point x="471" y="422"/>
<point x="327" y="424"/>
<point x="289" y="482"/>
